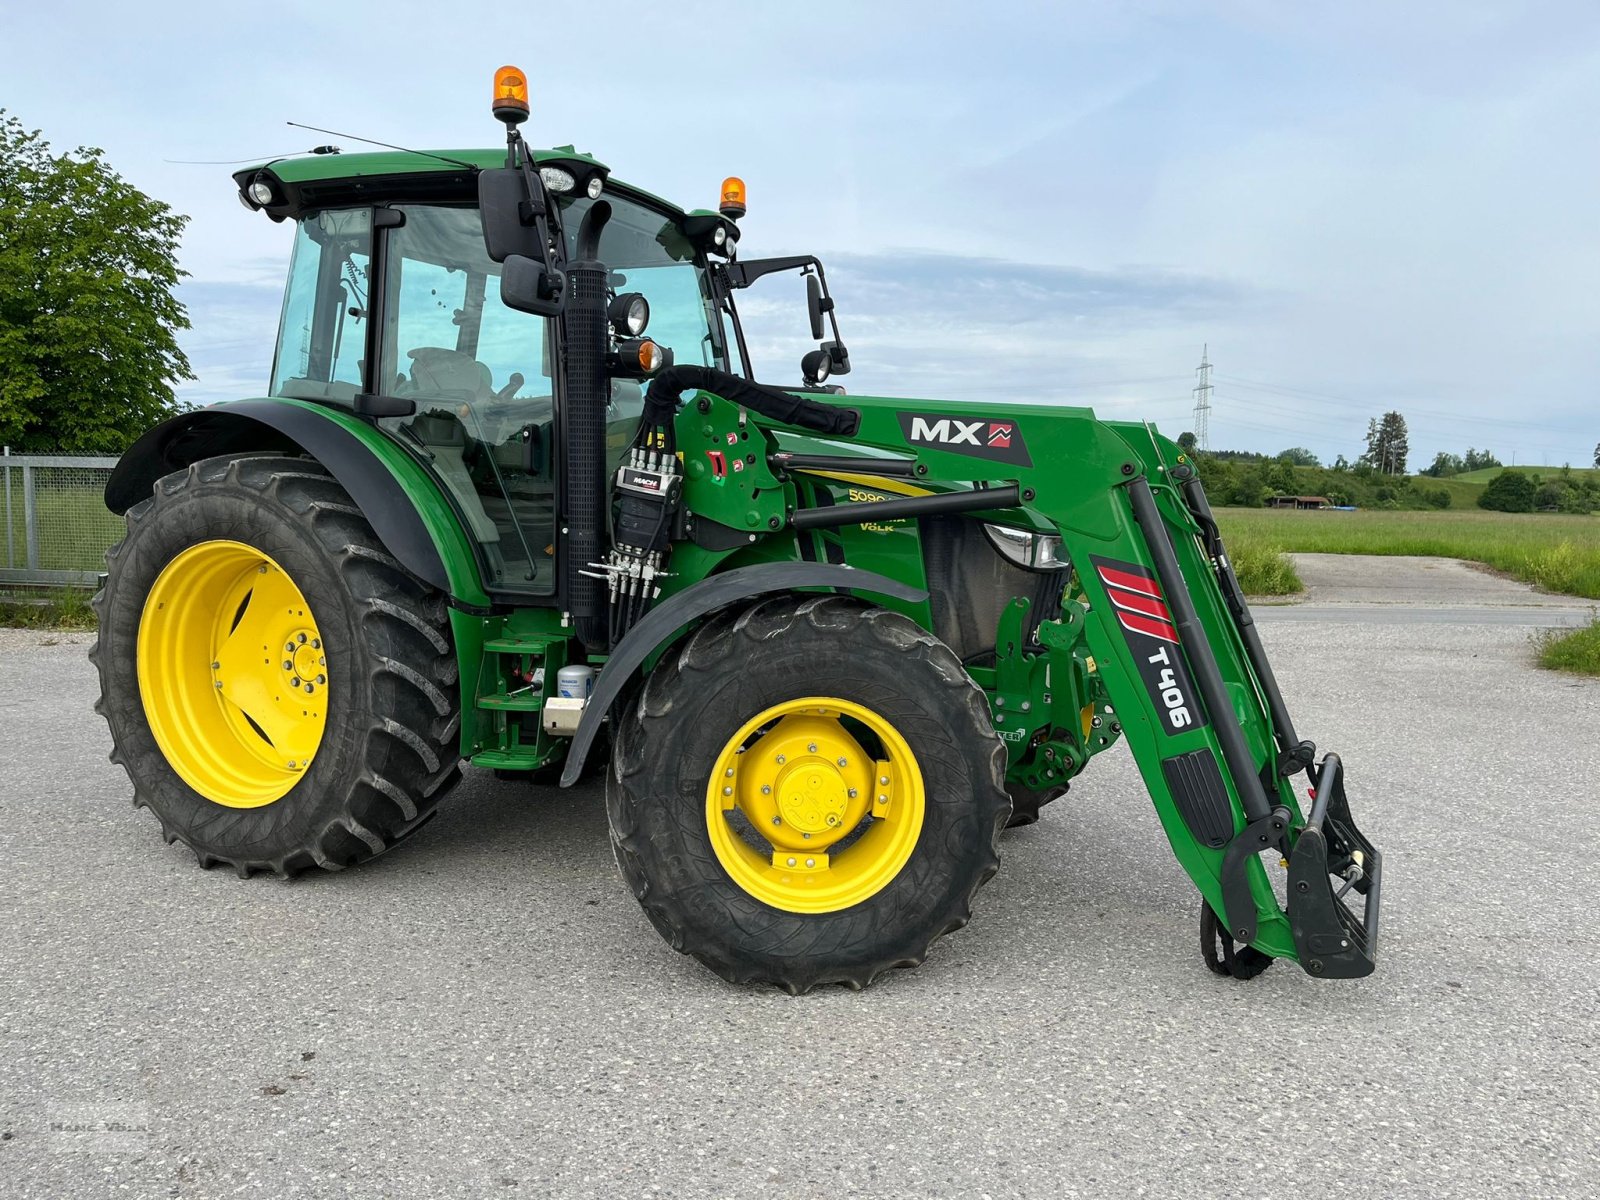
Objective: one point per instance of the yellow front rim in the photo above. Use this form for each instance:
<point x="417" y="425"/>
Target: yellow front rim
<point x="233" y="673"/>
<point x="815" y="805"/>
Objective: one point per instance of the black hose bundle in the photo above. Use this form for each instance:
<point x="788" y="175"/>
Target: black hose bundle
<point x="666" y="392"/>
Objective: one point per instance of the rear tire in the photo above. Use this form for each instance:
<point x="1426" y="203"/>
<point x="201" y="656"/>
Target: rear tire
<point x="688" y="725"/>
<point x="386" y="751"/>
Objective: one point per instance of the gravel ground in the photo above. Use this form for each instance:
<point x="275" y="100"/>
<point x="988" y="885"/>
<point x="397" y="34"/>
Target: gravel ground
<point x="486" y="1012"/>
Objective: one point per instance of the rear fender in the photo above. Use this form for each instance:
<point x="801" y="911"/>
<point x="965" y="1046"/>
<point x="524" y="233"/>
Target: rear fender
<point x="407" y="510"/>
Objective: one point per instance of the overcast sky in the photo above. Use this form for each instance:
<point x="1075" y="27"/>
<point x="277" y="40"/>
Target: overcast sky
<point x="1359" y="206"/>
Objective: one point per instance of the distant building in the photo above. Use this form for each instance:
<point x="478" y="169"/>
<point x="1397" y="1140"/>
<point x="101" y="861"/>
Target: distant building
<point x="1298" y="502"/>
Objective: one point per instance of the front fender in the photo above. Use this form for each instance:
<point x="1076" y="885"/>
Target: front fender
<point x="663" y="622"/>
<point x="405" y="506"/>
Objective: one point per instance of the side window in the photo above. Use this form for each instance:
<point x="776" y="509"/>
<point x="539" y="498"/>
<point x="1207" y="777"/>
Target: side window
<point x="323" y="332"/>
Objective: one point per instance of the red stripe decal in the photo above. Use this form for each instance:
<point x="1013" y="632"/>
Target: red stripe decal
<point x="1144" y="625"/>
<point x="1133" y="583"/>
<point x="1133" y="602"/>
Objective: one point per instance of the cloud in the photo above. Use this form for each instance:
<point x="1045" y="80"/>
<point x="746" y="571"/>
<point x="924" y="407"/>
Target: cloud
<point x="234" y="327"/>
<point x="979" y="328"/>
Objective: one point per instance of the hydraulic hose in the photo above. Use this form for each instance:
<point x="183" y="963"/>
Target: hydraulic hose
<point x="666" y="392"/>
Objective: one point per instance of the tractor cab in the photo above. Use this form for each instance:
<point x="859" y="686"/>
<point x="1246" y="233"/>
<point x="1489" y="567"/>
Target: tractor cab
<point x="392" y="309"/>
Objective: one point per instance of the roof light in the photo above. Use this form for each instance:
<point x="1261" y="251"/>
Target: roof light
<point x="733" y="202"/>
<point x="719" y="236"/>
<point x="596" y="186"/>
<point x="557" y="179"/>
<point x="261" y="192"/>
<point x="510" y="96"/>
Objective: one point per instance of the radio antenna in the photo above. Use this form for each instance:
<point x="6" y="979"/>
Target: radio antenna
<point x="454" y="162"/>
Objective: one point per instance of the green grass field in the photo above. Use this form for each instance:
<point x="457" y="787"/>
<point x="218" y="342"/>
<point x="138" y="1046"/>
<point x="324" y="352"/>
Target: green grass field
<point x="1549" y="550"/>
<point x="1488" y="473"/>
<point x="74" y="528"/>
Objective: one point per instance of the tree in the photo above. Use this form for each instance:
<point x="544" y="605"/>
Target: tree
<point x="1299" y="456"/>
<point x="1387" y="446"/>
<point x="1597" y="454"/>
<point x="1509" y="491"/>
<point x="1477" y="460"/>
<point x="1187" y="442"/>
<point x="1446" y="464"/>
<point x="88" y="264"/>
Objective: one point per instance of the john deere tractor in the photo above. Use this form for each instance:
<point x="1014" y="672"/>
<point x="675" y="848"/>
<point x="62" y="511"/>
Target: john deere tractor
<point x="516" y="497"/>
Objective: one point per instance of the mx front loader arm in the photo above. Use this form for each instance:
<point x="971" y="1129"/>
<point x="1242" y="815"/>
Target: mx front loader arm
<point x="1176" y="652"/>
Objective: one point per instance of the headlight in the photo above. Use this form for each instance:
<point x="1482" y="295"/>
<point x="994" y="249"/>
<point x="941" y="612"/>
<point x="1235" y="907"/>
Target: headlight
<point x="629" y="314"/>
<point x="1030" y="551"/>
<point x="719" y="236"/>
<point x="261" y="192"/>
<point x="596" y="186"/>
<point x="557" y="180"/>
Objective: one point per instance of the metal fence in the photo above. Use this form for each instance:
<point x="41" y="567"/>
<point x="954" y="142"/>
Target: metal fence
<point x="57" y="526"/>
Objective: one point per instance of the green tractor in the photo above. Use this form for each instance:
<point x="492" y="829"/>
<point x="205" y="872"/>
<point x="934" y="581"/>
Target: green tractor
<point x="515" y="497"/>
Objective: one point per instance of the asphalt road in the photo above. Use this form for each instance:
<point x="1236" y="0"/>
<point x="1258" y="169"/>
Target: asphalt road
<point x="486" y="1012"/>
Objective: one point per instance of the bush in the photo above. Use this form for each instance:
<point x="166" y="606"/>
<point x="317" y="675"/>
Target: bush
<point x="1434" y="497"/>
<point x="1509" y="491"/>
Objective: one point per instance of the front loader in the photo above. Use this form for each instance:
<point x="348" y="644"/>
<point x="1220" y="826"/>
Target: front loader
<point x="515" y="497"/>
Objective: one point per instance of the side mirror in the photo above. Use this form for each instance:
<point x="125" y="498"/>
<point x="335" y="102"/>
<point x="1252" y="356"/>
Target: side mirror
<point x="526" y="286"/>
<point x="503" y="203"/>
<point x="814" y="306"/>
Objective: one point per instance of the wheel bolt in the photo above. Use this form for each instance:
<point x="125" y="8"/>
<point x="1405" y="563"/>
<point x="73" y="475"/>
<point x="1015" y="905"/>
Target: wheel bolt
<point x="766" y="789"/>
<point x="288" y="647"/>
<point x="291" y="764"/>
<point x="729" y="773"/>
<point x="844" y="762"/>
<point x="727" y="791"/>
<point x="310" y="688"/>
<point x="262" y="569"/>
<point x="782" y="759"/>
<point x="791" y="862"/>
<point x="323" y="679"/>
<point x="812" y="747"/>
<point x="301" y="638"/>
<point x="883" y="799"/>
<point x="807" y="836"/>
<point x="288" y="664"/>
<point x="216" y="666"/>
<point x="811" y="862"/>
<point x="219" y="685"/>
<point x="884" y="780"/>
<point x="777" y="820"/>
<point x="853" y="793"/>
<point x="322" y="662"/>
<point x="316" y="643"/>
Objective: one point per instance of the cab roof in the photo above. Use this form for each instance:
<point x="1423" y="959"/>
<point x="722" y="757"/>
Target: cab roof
<point x="308" y="182"/>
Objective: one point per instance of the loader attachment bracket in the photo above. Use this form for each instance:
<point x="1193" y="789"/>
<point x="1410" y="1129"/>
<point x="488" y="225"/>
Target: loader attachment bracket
<point x="1330" y="940"/>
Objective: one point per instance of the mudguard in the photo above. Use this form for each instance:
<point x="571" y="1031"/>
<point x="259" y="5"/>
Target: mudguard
<point x="674" y="614"/>
<point x="289" y="427"/>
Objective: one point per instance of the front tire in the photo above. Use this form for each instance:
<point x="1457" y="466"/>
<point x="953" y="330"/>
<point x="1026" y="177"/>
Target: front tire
<point x="807" y="792"/>
<point x="281" y="692"/>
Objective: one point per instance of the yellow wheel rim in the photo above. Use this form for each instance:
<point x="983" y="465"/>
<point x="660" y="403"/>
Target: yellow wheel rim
<point x="806" y="818"/>
<point x="233" y="673"/>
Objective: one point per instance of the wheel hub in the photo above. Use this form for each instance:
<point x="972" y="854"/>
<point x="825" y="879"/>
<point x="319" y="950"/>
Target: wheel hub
<point x="233" y="673"/>
<point x="838" y="822"/>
